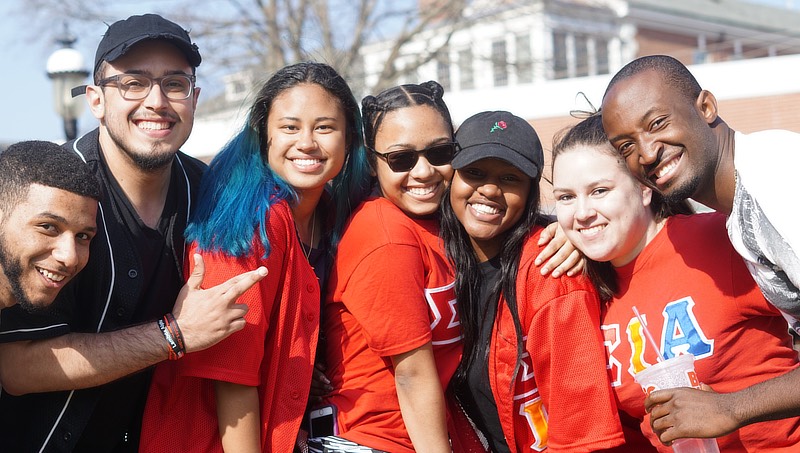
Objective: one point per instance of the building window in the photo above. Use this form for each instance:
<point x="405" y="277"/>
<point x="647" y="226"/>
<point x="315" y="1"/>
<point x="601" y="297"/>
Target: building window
<point x="700" y="55"/>
<point x="237" y="87"/>
<point x="499" y="63"/>
<point x="443" y="69"/>
<point x="581" y="56"/>
<point x="578" y="55"/>
<point x="560" y="68"/>
<point x="524" y="59"/>
<point x="466" y="74"/>
<point x="601" y="55"/>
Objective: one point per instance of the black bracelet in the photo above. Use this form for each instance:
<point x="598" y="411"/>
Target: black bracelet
<point x="172" y="325"/>
<point x="175" y="349"/>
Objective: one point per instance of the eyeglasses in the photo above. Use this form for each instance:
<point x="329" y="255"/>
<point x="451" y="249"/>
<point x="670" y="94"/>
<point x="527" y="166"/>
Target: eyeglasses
<point x="406" y="159"/>
<point x="135" y="87"/>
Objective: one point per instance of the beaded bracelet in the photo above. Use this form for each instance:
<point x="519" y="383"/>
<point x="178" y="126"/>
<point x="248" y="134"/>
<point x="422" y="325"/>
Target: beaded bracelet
<point x="172" y="333"/>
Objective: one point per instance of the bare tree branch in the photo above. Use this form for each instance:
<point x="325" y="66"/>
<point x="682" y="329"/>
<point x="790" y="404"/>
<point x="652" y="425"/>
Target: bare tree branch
<point x="363" y="25"/>
<point x="445" y="15"/>
<point x="265" y="35"/>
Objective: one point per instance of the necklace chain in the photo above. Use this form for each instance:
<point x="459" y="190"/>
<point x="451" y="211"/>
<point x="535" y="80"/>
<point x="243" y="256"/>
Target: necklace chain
<point x="307" y="253"/>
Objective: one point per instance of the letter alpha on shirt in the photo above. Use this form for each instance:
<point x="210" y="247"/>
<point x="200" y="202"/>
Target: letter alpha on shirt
<point x="680" y="334"/>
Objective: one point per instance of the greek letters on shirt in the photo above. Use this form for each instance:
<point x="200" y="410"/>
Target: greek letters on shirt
<point x="680" y="334"/>
<point x="529" y="403"/>
<point x="445" y="322"/>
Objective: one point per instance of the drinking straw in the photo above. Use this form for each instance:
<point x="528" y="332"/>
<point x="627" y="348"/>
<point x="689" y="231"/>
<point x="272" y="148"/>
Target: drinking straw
<point x="648" y="335"/>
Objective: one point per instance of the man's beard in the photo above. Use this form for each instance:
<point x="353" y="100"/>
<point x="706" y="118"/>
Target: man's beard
<point x="146" y="162"/>
<point x="12" y="268"/>
<point x="150" y="163"/>
<point x="683" y="192"/>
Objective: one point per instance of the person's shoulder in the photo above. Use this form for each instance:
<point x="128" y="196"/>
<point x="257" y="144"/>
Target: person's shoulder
<point x="703" y="221"/>
<point x="378" y="212"/>
<point x="698" y="234"/>
<point x="768" y="134"/>
<point x="280" y="215"/>
<point x="377" y="221"/>
<point x="750" y="149"/>
<point x="279" y="226"/>
<point x="194" y="167"/>
<point x="531" y="278"/>
<point x="531" y="247"/>
<point x="87" y="146"/>
<point x="18" y="324"/>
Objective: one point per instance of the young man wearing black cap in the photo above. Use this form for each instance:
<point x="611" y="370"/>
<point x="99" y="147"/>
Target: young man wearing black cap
<point x="144" y="97"/>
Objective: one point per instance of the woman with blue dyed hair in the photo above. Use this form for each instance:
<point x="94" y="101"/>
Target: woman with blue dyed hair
<point x="278" y="195"/>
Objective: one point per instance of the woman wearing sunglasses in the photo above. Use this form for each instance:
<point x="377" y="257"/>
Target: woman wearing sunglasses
<point x="393" y="334"/>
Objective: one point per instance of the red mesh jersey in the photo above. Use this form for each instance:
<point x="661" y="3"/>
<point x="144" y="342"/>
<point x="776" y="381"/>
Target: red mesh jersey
<point x="275" y="352"/>
<point x="561" y="398"/>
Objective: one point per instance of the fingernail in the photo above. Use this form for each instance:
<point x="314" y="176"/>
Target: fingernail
<point x="262" y="271"/>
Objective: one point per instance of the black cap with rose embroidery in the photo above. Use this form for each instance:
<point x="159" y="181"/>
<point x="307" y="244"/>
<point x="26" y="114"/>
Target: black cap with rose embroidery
<point x="500" y="135"/>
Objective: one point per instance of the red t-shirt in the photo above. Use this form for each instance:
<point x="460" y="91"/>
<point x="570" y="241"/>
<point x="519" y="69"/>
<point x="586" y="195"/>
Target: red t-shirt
<point x="274" y="352"/>
<point x="560" y="399"/>
<point x="391" y="291"/>
<point x="697" y="296"/>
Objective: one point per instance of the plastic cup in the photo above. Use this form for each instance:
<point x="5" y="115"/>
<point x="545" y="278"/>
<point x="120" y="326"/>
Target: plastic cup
<point x="695" y="446"/>
<point x="676" y="372"/>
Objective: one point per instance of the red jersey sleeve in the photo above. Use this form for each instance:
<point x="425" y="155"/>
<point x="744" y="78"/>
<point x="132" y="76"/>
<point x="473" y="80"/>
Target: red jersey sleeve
<point x="237" y="359"/>
<point x="568" y="357"/>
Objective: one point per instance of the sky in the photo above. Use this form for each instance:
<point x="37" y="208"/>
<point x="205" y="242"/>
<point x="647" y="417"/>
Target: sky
<point x="27" y="108"/>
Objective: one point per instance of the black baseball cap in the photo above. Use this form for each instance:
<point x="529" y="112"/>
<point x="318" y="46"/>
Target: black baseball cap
<point x="122" y="35"/>
<point x="500" y="135"/>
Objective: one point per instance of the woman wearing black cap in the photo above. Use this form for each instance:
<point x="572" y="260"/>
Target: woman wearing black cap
<point x="532" y="374"/>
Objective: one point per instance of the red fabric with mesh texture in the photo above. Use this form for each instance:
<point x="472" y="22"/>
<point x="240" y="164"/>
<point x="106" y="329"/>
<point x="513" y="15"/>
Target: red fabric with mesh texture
<point x="275" y="352"/>
<point x="563" y="389"/>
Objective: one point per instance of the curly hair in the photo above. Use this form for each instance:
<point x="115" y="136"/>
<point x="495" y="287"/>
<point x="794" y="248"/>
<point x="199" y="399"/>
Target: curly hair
<point x="47" y="164"/>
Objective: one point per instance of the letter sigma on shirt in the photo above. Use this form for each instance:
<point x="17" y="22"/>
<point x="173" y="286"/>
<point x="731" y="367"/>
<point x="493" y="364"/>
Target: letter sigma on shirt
<point x="445" y="324"/>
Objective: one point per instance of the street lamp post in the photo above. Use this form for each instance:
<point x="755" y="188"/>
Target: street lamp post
<point x="66" y="69"/>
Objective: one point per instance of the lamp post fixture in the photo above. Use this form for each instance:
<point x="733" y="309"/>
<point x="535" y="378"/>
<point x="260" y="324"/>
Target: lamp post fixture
<point x="66" y="68"/>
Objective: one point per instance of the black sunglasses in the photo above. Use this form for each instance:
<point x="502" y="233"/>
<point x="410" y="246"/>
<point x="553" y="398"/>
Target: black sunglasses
<point x="406" y="159"/>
